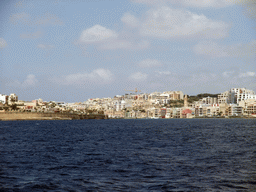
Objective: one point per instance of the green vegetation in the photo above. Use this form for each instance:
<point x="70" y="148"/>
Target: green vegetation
<point x="176" y="103"/>
<point x="194" y="98"/>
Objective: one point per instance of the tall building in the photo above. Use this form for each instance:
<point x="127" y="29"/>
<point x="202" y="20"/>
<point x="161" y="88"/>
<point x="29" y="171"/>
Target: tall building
<point x="235" y="95"/>
<point x="240" y="94"/>
<point x="223" y="97"/>
<point x="186" y="101"/>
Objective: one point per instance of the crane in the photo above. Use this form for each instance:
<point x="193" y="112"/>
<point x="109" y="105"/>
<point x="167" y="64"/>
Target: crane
<point x="136" y="90"/>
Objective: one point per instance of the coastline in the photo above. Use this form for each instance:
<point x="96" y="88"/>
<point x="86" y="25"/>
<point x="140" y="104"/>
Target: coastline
<point x="36" y="116"/>
<point x="22" y="116"/>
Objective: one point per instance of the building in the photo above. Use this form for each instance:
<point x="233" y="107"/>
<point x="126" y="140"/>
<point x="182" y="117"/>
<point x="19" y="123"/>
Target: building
<point x="251" y="109"/>
<point x="209" y="100"/>
<point x="186" y="113"/>
<point x="200" y="111"/>
<point x="235" y="110"/>
<point x="3" y="98"/>
<point x="12" y="98"/>
<point x="240" y="94"/>
<point x="223" y="97"/>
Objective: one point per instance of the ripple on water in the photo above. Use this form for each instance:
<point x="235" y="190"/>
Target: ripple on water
<point x="128" y="155"/>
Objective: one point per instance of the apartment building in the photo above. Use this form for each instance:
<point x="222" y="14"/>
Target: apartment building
<point x="177" y="113"/>
<point x="209" y="100"/>
<point x="235" y="95"/>
<point x="251" y="109"/>
<point x="175" y="95"/>
<point x="223" y="97"/>
<point x="200" y="111"/>
<point x="240" y="94"/>
<point x="12" y="98"/>
<point x="235" y="110"/>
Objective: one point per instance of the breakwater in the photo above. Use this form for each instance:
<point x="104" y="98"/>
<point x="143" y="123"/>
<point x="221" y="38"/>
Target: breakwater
<point x="12" y="116"/>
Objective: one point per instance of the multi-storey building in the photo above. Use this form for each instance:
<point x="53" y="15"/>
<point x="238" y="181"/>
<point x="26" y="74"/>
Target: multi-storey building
<point x="209" y="100"/>
<point x="12" y="98"/>
<point x="235" y="110"/>
<point x="223" y="97"/>
<point x="235" y="95"/>
<point x="175" y="95"/>
<point x="251" y="109"/>
<point x="240" y="94"/>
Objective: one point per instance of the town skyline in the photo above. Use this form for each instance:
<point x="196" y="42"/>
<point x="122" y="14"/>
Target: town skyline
<point x="134" y="92"/>
<point x="233" y="103"/>
<point x="70" y="51"/>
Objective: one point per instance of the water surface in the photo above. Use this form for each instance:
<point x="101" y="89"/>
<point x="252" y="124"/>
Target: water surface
<point x="128" y="155"/>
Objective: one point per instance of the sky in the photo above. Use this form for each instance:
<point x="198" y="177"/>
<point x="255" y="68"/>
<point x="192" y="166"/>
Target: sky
<point x="73" y="50"/>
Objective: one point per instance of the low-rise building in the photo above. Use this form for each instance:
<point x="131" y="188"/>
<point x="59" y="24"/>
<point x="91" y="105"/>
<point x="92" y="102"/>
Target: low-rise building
<point x="235" y="110"/>
<point x="251" y="109"/>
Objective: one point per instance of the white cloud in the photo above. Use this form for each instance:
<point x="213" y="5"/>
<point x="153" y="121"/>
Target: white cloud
<point x="210" y="48"/>
<point x="35" y="35"/>
<point x="247" y="74"/>
<point x="215" y="50"/>
<point x="205" y="3"/>
<point x="97" y="33"/>
<point x="98" y="76"/>
<point x="130" y="20"/>
<point x="203" y="77"/>
<point x="239" y="50"/>
<point x="166" y="22"/>
<point x="191" y="3"/>
<point x="125" y="44"/>
<point x="164" y="72"/>
<point x="227" y="73"/>
<point x="148" y="2"/>
<point x="19" y="4"/>
<point x="20" y="18"/>
<point x="44" y="46"/>
<point x="30" y="81"/>
<point x="150" y="63"/>
<point x="107" y="39"/>
<point x="250" y="7"/>
<point x="3" y="43"/>
<point x="48" y="19"/>
<point x="138" y="76"/>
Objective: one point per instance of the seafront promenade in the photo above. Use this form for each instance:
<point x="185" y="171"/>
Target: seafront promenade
<point x="12" y="116"/>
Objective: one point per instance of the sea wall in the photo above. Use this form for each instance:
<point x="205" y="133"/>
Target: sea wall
<point x="5" y="116"/>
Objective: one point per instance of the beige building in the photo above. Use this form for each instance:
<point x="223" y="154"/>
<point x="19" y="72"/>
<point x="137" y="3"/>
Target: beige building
<point x="235" y="110"/>
<point x="223" y="97"/>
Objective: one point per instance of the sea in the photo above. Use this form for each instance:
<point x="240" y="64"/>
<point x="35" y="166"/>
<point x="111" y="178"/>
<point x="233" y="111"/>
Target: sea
<point x="128" y="155"/>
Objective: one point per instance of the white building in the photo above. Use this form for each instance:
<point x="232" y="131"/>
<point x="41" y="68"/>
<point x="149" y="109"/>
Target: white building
<point x="240" y="94"/>
<point x="223" y="98"/>
<point x="12" y="98"/>
<point x="235" y="95"/>
<point x="3" y="98"/>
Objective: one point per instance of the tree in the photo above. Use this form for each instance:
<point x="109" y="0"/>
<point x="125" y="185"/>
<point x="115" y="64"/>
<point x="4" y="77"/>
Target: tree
<point x="14" y="107"/>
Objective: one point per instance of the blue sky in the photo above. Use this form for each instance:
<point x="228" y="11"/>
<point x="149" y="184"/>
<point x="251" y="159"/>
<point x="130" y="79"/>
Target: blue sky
<point x="72" y="50"/>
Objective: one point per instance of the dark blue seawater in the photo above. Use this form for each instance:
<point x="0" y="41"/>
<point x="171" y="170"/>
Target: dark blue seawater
<point x="128" y="155"/>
